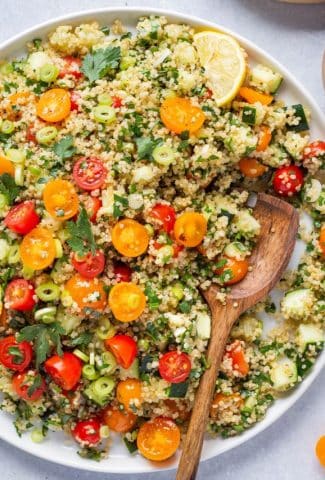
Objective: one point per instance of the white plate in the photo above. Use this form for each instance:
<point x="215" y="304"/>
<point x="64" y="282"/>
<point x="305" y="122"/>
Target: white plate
<point x="56" y="447"/>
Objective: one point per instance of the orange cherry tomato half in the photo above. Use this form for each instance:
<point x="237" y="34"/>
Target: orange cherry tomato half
<point x="60" y="199"/>
<point x="233" y="271"/>
<point x="322" y="239"/>
<point x="264" y="139"/>
<point x="222" y="402"/>
<point x="54" y="105"/>
<point x="37" y="250"/>
<point x="158" y="439"/>
<point x="320" y="450"/>
<point x="118" y="420"/>
<point x="124" y="349"/>
<point x="20" y="295"/>
<point x="130" y="238"/>
<point x="179" y="115"/>
<point x="190" y="229"/>
<point x="251" y="167"/>
<point x="127" y="301"/>
<point x="15" y="355"/>
<point x="128" y="393"/>
<point x="21" y="383"/>
<point x="65" y="370"/>
<point x="236" y="354"/>
<point x="87" y="293"/>
<point x="6" y="166"/>
<point x="174" y="367"/>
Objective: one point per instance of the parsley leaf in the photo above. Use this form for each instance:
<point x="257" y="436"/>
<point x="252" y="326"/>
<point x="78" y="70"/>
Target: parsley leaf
<point x="82" y="239"/>
<point x="153" y="300"/>
<point x="8" y="188"/>
<point x="37" y="383"/>
<point x="146" y="146"/>
<point x="120" y="204"/>
<point x="97" y="64"/>
<point x="45" y="337"/>
<point x="17" y="354"/>
<point x="64" y="148"/>
<point x="83" y="339"/>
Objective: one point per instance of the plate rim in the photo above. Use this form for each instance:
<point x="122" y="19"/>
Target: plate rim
<point x="75" y="17"/>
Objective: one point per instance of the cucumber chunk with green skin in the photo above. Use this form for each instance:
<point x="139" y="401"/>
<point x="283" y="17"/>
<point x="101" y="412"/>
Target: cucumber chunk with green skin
<point x="249" y="115"/>
<point x="298" y="304"/>
<point x="284" y="374"/>
<point x="302" y="123"/>
<point x="236" y="250"/>
<point x="178" y="390"/>
<point x="203" y="326"/>
<point x="247" y="328"/>
<point x="265" y="79"/>
<point x="308" y="333"/>
<point x="249" y="405"/>
<point x="131" y="372"/>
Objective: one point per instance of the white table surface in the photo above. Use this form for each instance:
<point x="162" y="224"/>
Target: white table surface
<point x="295" y="35"/>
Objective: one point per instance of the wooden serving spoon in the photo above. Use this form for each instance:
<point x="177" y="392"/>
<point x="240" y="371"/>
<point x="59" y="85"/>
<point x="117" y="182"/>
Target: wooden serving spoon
<point x="279" y="225"/>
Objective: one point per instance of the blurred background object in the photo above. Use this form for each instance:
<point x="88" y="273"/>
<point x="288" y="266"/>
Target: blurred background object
<point x="302" y="1"/>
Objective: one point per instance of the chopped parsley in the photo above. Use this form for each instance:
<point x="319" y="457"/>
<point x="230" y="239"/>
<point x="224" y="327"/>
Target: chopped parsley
<point x="97" y="64"/>
<point x="82" y="239"/>
<point x="8" y="188"/>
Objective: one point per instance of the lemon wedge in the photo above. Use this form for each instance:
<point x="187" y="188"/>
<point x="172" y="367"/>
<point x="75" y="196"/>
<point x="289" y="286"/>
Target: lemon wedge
<point x="224" y="62"/>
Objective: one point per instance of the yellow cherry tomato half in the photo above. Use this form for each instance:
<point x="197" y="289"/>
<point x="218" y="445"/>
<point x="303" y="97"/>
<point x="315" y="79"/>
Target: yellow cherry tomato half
<point x="120" y="421"/>
<point x="322" y="239"/>
<point x="237" y="270"/>
<point x="130" y="238"/>
<point x="127" y="301"/>
<point x="190" y="229"/>
<point x="179" y="115"/>
<point x="37" y="250"/>
<point x="60" y="199"/>
<point x="158" y="439"/>
<point x="87" y="293"/>
<point x="251" y="167"/>
<point x="128" y="393"/>
<point x="54" y="105"/>
<point x="6" y="166"/>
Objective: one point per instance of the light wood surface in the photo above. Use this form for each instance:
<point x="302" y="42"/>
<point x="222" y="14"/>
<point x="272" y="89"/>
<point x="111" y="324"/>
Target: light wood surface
<point x="279" y="225"/>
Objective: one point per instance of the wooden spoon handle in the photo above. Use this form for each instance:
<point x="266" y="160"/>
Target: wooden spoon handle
<point x="222" y="320"/>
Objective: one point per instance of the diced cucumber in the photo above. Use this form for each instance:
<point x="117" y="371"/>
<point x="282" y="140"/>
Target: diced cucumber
<point x="248" y="328"/>
<point x="300" y="114"/>
<point x="320" y="203"/>
<point x="298" y="304"/>
<point x="35" y="62"/>
<point x="236" y="250"/>
<point x="68" y="321"/>
<point x="246" y="224"/>
<point x="4" y="249"/>
<point x="312" y="190"/>
<point x="178" y="390"/>
<point x="131" y="372"/>
<point x="249" y="405"/>
<point x="249" y="115"/>
<point x="295" y="144"/>
<point x="308" y="333"/>
<point x="284" y="374"/>
<point x="203" y="326"/>
<point x="265" y="79"/>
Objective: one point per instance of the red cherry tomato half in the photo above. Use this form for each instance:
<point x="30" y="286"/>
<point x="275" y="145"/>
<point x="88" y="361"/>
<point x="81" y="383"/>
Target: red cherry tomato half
<point x="89" y="173"/>
<point x="74" y="99"/>
<point x="22" y="382"/>
<point x="71" y="67"/>
<point x="20" y="295"/>
<point x="122" y="272"/>
<point x="92" y="205"/>
<point x="174" y="367"/>
<point x="22" y="218"/>
<point x="65" y="371"/>
<point x="87" y="432"/>
<point x="89" y="266"/>
<point x="124" y="349"/>
<point x="239" y="362"/>
<point x="30" y="134"/>
<point x="117" y="102"/>
<point x="315" y="149"/>
<point x="14" y="355"/>
<point x="288" y="181"/>
<point x="166" y="216"/>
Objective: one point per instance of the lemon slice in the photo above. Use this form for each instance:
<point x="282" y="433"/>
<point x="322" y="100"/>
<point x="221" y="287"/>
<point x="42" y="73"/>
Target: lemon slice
<point x="224" y="62"/>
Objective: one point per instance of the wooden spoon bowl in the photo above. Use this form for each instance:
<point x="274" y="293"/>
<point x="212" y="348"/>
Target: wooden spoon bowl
<point x="279" y="225"/>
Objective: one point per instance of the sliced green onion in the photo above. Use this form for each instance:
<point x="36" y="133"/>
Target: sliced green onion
<point x="100" y="390"/>
<point x="45" y="135"/>
<point x="6" y="68"/>
<point x="105" y="331"/>
<point x="46" y="314"/>
<point x="178" y="291"/>
<point x="108" y="363"/>
<point x="48" y="73"/>
<point x="3" y="201"/>
<point x="104" y="114"/>
<point x="149" y="229"/>
<point x="36" y="171"/>
<point x="78" y="353"/>
<point x="16" y="155"/>
<point x="19" y="175"/>
<point x="7" y="127"/>
<point x="89" y="372"/>
<point x="37" y="435"/>
<point x="27" y="272"/>
<point x="13" y="255"/>
<point x="163" y="155"/>
<point x="48" y="292"/>
<point x="58" y="248"/>
<point x="127" y="62"/>
<point x="105" y="99"/>
<point x="143" y="344"/>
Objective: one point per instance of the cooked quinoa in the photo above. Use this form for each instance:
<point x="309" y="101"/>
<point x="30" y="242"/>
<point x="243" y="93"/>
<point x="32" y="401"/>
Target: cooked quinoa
<point x="114" y="84"/>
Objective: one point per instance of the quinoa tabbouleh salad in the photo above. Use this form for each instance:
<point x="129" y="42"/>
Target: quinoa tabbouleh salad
<point x="126" y="161"/>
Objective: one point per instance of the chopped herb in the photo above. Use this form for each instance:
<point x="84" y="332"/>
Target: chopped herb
<point x="37" y="383"/>
<point x="270" y="308"/>
<point x="119" y="205"/>
<point x="83" y="339"/>
<point x="64" y="149"/>
<point x="131" y="446"/>
<point x="153" y="300"/>
<point x="82" y="239"/>
<point x="8" y="188"/>
<point x="105" y="29"/>
<point x="97" y="64"/>
<point x="185" y="306"/>
<point x="17" y="354"/>
<point x="146" y="146"/>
